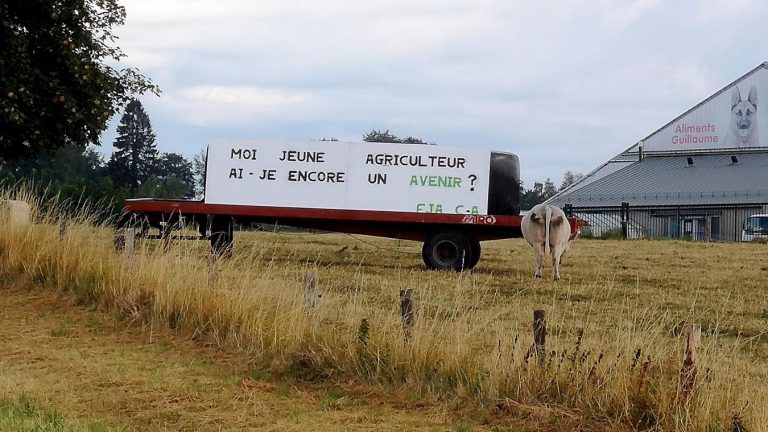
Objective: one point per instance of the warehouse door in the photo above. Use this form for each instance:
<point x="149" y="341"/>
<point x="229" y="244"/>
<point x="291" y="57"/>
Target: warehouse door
<point x="694" y="228"/>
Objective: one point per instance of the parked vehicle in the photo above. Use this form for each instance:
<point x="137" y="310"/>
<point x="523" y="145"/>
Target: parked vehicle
<point x="755" y="226"/>
<point x="449" y="198"/>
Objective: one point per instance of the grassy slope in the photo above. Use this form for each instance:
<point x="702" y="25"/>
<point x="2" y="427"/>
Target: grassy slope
<point x="64" y="368"/>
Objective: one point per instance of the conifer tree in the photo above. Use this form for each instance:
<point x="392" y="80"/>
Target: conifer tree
<point x="135" y="153"/>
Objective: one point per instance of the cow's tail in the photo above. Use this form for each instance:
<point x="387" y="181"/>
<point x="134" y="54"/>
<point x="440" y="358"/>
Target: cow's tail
<point x="547" y="223"/>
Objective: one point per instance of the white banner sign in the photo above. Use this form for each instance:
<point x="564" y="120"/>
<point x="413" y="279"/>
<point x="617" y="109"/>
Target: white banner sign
<point x="350" y="176"/>
<point x="733" y="119"/>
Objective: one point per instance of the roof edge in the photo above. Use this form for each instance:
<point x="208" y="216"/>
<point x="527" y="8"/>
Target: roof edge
<point x="568" y="189"/>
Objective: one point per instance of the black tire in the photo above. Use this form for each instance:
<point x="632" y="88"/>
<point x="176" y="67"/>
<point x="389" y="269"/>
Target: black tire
<point x="222" y="236"/>
<point x="474" y="256"/>
<point x="447" y="250"/>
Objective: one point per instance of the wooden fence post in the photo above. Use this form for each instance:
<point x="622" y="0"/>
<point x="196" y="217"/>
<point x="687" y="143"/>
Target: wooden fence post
<point x="539" y="333"/>
<point x="130" y="241"/>
<point x="689" y="371"/>
<point x="408" y="313"/>
<point x="363" y="332"/>
<point x="311" y="295"/>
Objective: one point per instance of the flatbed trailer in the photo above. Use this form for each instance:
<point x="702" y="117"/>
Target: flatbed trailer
<point x="450" y="241"/>
<point x="448" y="198"/>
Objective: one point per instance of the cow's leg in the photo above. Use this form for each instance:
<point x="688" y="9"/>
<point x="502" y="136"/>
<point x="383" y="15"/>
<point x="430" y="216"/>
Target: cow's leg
<point x="557" y="253"/>
<point x="565" y="250"/>
<point x="538" y="251"/>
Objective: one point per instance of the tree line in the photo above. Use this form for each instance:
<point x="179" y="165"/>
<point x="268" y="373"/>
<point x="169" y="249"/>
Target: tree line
<point x="135" y="168"/>
<point x="541" y="192"/>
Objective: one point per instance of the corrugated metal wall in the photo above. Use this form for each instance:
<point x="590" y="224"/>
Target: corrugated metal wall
<point x="695" y="223"/>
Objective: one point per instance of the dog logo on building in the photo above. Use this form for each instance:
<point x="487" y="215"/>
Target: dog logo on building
<point x="742" y="128"/>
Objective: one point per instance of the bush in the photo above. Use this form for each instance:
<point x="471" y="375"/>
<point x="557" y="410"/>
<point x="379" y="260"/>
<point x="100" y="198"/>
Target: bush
<point x="610" y="234"/>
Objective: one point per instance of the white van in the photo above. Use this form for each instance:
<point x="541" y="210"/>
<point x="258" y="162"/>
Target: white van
<point x="754" y="227"/>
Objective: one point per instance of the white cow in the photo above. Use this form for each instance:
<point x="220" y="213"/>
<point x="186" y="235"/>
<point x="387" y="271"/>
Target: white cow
<point x="547" y="229"/>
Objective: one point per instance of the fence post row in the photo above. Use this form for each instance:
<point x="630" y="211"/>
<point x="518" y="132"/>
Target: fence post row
<point x="407" y="312"/>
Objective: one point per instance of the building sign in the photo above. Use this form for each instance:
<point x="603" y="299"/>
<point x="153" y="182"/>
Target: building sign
<point x="348" y="176"/>
<point x="731" y="120"/>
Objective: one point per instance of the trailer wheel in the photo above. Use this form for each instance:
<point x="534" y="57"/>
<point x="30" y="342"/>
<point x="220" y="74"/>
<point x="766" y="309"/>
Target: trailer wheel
<point x="222" y="236"/>
<point x="474" y="257"/>
<point x="446" y="250"/>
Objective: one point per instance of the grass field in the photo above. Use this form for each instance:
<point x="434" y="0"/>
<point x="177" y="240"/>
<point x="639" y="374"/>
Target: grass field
<point x="614" y="344"/>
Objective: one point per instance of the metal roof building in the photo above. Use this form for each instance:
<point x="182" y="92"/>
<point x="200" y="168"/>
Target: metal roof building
<point x="703" y="172"/>
<point x="672" y="180"/>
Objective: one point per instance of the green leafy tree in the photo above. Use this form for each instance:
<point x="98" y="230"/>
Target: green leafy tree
<point x="548" y="190"/>
<point x="134" y="157"/>
<point x="74" y="174"/>
<point x="412" y="140"/>
<point x="570" y="178"/>
<point x="536" y="195"/>
<point x="175" y="167"/>
<point x="380" y="136"/>
<point x="387" y="137"/>
<point x="198" y="170"/>
<point x="154" y="187"/>
<point x="58" y="84"/>
<point x="68" y="166"/>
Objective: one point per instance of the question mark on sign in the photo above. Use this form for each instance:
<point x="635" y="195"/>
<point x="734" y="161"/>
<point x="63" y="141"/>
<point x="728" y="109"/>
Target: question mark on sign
<point x="472" y="179"/>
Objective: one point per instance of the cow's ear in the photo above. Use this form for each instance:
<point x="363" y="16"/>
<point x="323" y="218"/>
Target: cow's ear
<point x="556" y="220"/>
<point x="753" y="95"/>
<point x="735" y="96"/>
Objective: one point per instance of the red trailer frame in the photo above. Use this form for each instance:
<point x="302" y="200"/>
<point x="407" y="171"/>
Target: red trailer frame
<point x="450" y="240"/>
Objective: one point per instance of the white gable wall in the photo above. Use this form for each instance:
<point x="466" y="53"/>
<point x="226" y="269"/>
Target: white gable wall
<point x="717" y="124"/>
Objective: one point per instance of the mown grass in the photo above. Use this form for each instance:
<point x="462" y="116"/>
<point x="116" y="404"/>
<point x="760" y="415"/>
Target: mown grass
<point x="23" y="415"/>
<point x="614" y="346"/>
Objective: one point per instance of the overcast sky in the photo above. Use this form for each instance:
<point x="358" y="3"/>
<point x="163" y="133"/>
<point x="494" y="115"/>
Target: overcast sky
<point x="565" y="85"/>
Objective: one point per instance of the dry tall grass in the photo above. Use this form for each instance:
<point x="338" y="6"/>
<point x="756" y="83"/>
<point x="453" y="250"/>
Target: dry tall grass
<point x="614" y="348"/>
